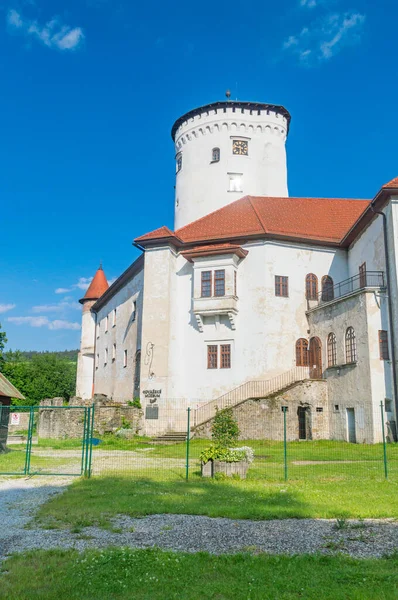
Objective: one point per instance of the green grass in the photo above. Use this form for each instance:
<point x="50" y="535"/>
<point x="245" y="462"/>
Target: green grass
<point x="97" y="500"/>
<point x="157" y="575"/>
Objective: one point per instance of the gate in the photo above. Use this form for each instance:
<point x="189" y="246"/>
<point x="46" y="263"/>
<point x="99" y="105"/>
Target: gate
<point x="27" y="452"/>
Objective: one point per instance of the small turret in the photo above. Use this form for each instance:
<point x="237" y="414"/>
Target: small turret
<point x="86" y="358"/>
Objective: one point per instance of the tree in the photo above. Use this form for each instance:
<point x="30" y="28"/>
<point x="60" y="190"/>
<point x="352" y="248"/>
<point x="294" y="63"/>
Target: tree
<point x="225" y="429"/>
<point x="3" y="341"/>
<point x="45" y="376"/>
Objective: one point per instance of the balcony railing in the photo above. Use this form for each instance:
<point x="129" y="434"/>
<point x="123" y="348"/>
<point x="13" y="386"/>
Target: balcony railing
<point x="367" y="279"/>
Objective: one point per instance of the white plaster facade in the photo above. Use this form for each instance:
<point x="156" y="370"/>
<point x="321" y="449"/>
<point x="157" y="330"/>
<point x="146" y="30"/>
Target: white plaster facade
<point x="165" y="324"/>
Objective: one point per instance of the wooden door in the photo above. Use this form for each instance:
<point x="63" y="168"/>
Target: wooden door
<point x="362" y="275"/>
<point x="315" y="358"/>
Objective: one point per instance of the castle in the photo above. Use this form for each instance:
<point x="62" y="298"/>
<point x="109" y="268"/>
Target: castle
<point x="253" y="293"/>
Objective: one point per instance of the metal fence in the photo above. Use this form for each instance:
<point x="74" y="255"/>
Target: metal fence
<point x="286" y="445"/>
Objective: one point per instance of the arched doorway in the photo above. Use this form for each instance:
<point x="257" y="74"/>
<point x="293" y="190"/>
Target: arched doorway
<point x="315" y="358"/>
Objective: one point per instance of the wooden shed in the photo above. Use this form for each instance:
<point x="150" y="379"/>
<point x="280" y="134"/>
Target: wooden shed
<point x="7" y="391"/>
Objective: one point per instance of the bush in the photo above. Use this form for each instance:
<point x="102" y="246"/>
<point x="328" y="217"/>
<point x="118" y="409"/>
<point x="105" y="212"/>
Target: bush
<point x="136" y="403"/>
<point x="227" y="454"/>
<point x="225" y="430"/>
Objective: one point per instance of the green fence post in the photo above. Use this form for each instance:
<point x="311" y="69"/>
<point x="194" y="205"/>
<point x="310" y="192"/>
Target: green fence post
<point x="87" y="440"/>
<point x="29" y="441"/>
<point x="284" y="441"/>
<point x="188" y="438"/>
<point x="384" y="440"/>
<point x="84" y="441"/>
<point x="90" y="454"/>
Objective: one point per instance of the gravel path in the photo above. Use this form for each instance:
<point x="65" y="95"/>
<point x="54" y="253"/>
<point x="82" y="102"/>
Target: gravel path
<point x="19" y="498"/>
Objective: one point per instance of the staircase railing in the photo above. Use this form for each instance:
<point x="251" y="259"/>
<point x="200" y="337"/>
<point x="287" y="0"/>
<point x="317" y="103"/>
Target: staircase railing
<point x="248" y="390"/>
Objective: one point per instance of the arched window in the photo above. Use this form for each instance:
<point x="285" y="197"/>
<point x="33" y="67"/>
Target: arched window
<point x="311" y="286"/>
<point x="332" y="350"/>
<point x="327" y="288"/>
<point x="350" y="346"/>
<point x="302" y="353"/>
<point x="215" y="155"/>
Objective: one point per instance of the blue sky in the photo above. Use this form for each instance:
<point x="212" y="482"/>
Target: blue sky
<point x="91" y="88"/>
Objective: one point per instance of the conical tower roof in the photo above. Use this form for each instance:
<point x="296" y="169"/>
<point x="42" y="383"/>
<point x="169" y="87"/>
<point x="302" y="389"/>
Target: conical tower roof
<point x="97" y="287"/>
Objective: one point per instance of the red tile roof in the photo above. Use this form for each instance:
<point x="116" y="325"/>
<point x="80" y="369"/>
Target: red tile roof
<point x="97" y="287"/>
<point x="391" y="184"/>
<point x="157" y="234"/>
<point x="317" y="219"/>
<point x="213" y="249"/>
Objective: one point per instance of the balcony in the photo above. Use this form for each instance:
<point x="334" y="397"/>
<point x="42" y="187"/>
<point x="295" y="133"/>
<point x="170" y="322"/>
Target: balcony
<point x="362" y="281"/>
<point x="215" y="305"/>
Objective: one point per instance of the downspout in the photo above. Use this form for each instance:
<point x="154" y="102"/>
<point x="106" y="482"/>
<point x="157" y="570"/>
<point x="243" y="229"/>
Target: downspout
<point x="390" y="317"/>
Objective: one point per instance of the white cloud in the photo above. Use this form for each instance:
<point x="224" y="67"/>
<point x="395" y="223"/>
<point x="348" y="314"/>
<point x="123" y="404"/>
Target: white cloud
<point x="44" y="322"/>
<point x="52" y="34"/>
<point x="60" y="307"/>
<point x="6" y="307"/>
<point x="308" y="3"/>
<point x="325" y="37"/>
<point x="82" y="284"/>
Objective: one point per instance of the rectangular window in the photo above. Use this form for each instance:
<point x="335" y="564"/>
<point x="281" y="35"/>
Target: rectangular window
<point x="235" y="182"/>
<point x="362" y="275"/>
<point x="319" y="409"/>
<point x="113" y="352"/>
<point x="106" y="356"/>
<point x="206" y="284"/>
<point x="235" y="284"/>
<point x="281" y="286"/>
<point x="125" y="358"/>
<point x="225" y="356"/>
<point x="114" y="318"/>
<point x="212" y="357"/>
<point x="383" y="345"/>
<point x="219" y="283"/>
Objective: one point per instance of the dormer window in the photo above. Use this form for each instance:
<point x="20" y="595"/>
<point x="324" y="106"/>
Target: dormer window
<point x="178" y="162"/>
<point x="215" y="155"/>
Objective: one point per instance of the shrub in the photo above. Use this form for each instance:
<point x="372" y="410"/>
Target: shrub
<point x="225" y="429"/>
<point x="227" y="454"/>
<point x="136" y="403"/>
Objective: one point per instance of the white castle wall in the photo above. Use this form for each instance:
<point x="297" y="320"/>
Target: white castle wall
<point x="112" y="377"/>
<point x="85" y="360"/>
<point x="202" y="186"/>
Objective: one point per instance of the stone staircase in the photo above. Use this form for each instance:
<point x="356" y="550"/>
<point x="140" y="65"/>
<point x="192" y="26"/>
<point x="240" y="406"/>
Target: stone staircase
<point x="247" y="391"/>
<point x="171" y="436"/>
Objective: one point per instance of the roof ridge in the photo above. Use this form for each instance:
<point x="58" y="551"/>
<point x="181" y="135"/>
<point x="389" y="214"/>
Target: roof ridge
<point x="257" y="213"/>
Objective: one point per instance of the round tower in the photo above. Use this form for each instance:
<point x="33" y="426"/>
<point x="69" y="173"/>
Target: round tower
<point x="227" y="150"/>
<point x="86" y="357"/>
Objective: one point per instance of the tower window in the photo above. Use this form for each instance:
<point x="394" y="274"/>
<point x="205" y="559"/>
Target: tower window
<point x="235" y="182"/>
<point x="113" y="352"/>
<point x="178" y="162"/>
<point x="215" y="155"/>
<point x="125" y="358"/>
<point x="133" y="311"/>
<point x="106" y="356"/>
<point x="114" y="318"/>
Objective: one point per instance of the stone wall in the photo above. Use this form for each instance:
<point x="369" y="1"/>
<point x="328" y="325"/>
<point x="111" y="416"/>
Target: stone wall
<point x="68" y="422"/>
<point x="263" y="419"/>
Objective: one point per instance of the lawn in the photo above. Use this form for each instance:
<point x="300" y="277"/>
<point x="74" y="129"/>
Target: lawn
<point x="97" y="500"/>
<point x="157" y="575"/>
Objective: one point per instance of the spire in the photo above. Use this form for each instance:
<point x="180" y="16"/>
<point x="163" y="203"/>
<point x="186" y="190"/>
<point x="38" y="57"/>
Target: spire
<point x="97" y="287"/>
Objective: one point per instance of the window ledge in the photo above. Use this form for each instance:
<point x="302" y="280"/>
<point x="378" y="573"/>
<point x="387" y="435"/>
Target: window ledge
<point x="342" y="366"/>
